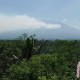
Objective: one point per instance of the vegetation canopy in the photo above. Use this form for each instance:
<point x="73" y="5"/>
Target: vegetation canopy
<point x="27" y="58"/>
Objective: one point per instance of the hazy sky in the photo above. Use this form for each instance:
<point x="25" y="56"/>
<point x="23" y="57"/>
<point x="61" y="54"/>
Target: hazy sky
<point x="16" y="14"/>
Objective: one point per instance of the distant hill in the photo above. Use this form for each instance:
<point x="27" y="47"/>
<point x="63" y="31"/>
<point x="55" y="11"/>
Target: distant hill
<point x="65" y="32"/>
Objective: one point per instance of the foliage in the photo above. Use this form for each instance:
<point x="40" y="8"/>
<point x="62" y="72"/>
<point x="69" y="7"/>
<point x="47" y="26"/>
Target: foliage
<point x="38" y="66"/>
<point x="53" y="60"/>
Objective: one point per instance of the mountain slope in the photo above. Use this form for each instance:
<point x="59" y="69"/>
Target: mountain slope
<point x="65" y="32"/>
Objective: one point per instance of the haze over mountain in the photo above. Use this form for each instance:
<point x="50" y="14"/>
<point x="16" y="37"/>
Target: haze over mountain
<point x="62" y="32"/>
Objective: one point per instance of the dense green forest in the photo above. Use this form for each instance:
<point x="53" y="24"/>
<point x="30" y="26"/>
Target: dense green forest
<point x="27" y="58"/>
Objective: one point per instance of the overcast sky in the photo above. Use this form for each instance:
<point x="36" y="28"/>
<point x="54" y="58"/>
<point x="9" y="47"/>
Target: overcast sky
<point x="16" y="14"/>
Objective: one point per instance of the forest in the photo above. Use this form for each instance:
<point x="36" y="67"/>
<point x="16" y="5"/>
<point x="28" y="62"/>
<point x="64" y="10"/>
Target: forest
<point x="27" y="58"/>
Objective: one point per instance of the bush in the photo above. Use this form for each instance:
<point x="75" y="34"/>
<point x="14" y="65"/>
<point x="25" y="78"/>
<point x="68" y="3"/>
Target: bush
<point x="43" y="67"/>
<point x="38" y="65"/>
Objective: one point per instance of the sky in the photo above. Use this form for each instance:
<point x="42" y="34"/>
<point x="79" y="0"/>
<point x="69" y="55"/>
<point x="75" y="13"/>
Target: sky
<point x="15" y="14"/>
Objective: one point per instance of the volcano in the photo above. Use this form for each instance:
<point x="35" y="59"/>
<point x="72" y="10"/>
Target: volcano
<point x="64" y="32"/>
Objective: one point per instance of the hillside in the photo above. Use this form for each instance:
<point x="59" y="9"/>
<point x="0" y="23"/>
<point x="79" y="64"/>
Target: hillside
<point x="64" y="32"/>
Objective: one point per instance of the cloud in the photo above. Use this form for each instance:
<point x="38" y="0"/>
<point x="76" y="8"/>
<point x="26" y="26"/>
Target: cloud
<point x="8" y="23"/>
<point x="72" y="23"/>
<point x="64" y="20"/>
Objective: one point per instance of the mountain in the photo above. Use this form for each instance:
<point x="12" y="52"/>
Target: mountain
<point x="65" y="32"/>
